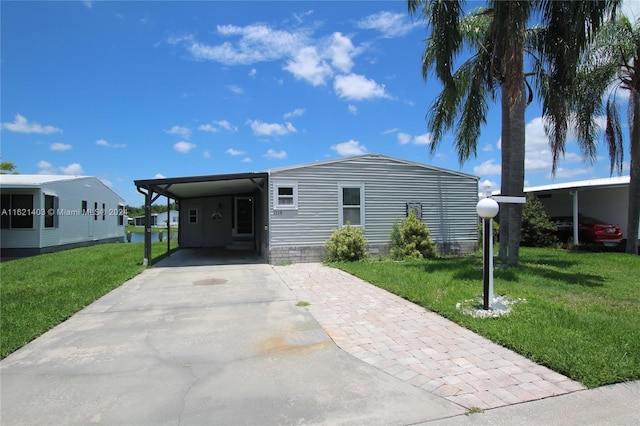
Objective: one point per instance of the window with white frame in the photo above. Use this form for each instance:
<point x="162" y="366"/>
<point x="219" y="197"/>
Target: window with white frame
<point x="286" y="196"/>
<point x="351" y="205"/>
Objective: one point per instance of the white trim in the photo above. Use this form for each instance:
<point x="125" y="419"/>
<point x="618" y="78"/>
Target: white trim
<point x="341" y="206"/>
<point x="276" y="196"/>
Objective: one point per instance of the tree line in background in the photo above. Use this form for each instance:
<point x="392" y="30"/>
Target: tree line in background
<point x="155" y="208"/>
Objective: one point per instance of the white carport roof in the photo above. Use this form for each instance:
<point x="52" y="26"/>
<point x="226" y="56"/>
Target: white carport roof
<point x="203" y="186"/>
<point x="582" y="184"/>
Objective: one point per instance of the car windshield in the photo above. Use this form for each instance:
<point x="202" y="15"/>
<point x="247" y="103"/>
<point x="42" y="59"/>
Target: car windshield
<point x="585" y="220"/>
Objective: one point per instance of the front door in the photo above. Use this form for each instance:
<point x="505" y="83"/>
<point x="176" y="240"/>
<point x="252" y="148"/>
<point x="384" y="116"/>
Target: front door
<point x="243" y="217"/>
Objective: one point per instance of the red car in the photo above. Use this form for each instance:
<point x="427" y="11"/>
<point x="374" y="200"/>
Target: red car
<point x="590" y="230"/>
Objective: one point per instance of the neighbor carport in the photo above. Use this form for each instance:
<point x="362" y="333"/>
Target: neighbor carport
<point x="606" y="199"/>
<point x="182" y="189"/>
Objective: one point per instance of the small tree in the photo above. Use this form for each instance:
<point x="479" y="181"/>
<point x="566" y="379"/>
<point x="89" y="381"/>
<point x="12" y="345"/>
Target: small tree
<point x="410" y="239"/>
<point x="346" y="244"/>
<point x="7" y="167"/>
<point x="537" y="228"/>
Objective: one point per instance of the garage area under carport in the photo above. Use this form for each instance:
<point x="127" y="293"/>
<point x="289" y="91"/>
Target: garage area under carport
<point x="606" y="199"/>
<point x="225" y="212"/>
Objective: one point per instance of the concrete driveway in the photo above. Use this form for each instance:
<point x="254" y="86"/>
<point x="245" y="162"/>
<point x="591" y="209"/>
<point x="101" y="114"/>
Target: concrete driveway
<point x="202" y="344"/>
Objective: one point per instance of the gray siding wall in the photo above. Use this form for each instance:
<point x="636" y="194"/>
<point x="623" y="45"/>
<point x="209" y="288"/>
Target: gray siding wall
<point x="448" y="201"/>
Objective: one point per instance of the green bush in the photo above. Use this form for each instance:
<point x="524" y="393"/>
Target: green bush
<point x="410" y="239"/>
<point x="346" y="244"/>
<point x="537" y="228"/>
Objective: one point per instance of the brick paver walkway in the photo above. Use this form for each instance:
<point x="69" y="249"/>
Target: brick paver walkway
<point x="416" y="345"/>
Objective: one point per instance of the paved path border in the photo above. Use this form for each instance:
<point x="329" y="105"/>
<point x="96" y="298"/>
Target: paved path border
<point x="419" y="346"/>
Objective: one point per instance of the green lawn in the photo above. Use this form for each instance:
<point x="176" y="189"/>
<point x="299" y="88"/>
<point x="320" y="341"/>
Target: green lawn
<point x="39" y="292"/>
<point x="581" y="316"/>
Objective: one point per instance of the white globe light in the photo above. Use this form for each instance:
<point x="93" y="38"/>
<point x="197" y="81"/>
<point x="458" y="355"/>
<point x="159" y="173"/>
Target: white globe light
<point x="487" y="208"/>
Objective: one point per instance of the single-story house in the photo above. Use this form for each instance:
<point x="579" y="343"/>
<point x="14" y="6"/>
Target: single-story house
<point x="159" y="219"/>
<point x="287" y="214"/>
<point x="606" y="199"/>
<point x="46" y="213"/>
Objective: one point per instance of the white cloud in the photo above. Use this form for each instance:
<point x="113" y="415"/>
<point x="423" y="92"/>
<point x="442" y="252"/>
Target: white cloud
<point x="352" y="109"/>
<point x="275" y="154"/>
<point x="253" y="72"/>
<point x="72" y="169"/>
<point x="183" y="147"/>
<point x="562" y="173"/>
<point x="358" y="87"/>
<point x="206" y="154"/>
<point x="221" y="124"/>
<point x="341" y="51"/>
<point x="235" y="89"/>
<point x="208" y="128"/>
<point x="538" y="156"/>
<point x="487" y="148"/>
<point x="22" y="125"/>
<point x="102" y="142"/>
<point x="226" y="125"/>
<point x="57" y="146"/>
<point x="295" y="113"/>
<point x="180" y="131"/>
<point x="234" y="152"/>
<point x="46" y="168"/>
<point x="268" y="129"/>
<point x="389" y="24"/>
<point x="423" y="139"/>
<point x="404" y="138"/>
<point x="88" y="3"/>
<point x="350" y="147"/>
<point x="256" y="43"/>
<point x="159" y="176"/>
<point x="246" y="160"/>
<point x="307" y="65"/>
<point x="488" y="168"/>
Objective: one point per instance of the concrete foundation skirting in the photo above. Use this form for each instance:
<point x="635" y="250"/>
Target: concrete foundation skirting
<point x="308" y="254"/>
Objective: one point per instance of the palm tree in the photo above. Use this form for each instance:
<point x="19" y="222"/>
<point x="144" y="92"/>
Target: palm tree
<point x="499" y="39"/>
<point x="611" y="63"/>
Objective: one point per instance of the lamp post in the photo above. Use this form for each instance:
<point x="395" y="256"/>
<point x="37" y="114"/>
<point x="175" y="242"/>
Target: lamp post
<point x="487" y="209"/>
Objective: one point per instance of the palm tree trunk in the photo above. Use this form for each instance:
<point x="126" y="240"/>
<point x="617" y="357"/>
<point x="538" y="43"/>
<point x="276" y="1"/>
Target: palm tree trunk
<point x="516" y="171"/>
<point x="633" y="214"/>
<point x="505" y="178"/>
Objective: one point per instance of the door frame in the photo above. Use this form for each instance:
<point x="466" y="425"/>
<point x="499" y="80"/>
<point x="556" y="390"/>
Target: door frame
<point x="235" y="216"/>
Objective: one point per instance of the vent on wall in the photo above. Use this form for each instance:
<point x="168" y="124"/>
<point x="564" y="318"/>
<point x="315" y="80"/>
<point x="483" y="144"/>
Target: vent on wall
<point x="416" y="206"/>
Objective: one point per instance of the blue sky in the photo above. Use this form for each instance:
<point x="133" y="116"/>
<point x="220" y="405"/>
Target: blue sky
<point x="137" y="90"/>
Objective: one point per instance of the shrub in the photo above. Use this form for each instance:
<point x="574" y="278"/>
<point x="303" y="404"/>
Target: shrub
<point x="346" y="244"/>
<point x="537" y="228"/>
<point x="410" y="239"/>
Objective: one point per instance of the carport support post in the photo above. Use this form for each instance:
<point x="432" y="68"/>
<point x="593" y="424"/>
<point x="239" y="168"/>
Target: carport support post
<point x="168" y="226"/>
<point x="576" y="223"/>
<point x="147" y="227"/>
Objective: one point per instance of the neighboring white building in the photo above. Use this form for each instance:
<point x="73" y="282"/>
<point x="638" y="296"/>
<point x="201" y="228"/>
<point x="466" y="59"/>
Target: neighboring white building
<point x="287" y="214"/>
<point x="46" y="213"/>
<point x="606" y="199"/>
<point x="160" y="219"/>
